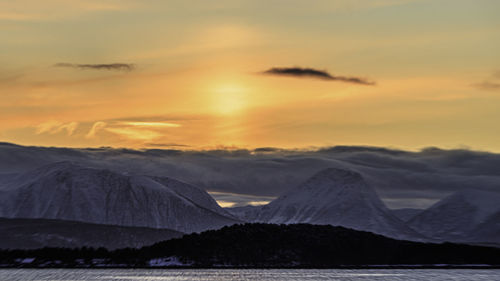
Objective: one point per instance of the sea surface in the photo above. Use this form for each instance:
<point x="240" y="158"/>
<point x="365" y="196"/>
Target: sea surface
<point x="249" y="274"/>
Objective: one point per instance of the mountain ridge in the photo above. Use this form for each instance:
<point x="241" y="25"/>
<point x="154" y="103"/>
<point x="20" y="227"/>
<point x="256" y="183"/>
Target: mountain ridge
<point x="68" y="191"/>
<point x="337" y="197"/>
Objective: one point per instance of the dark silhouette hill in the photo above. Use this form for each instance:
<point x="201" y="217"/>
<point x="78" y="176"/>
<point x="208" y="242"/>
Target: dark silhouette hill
<point x="266" y="245"/>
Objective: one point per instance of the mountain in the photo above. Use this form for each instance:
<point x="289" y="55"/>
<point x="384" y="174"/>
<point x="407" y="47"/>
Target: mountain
<point x="488" y="232"/>
<point x="247" y="213"/>
<point x="337" y="197"/>
<point x="68" y="191"/>
<point x="39" y="233"/>
<point x="461" y="216"/>
<point x="267" y="246"/>
<point x="406" y="214"/>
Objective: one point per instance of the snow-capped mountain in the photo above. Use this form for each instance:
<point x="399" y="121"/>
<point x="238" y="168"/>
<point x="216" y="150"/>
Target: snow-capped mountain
<point x="246" y="213"/>
<point x="487" y="232"/>
<point x="336" y="197"/>
<point x="67" y="191"/>
<point x="406" y="214"/>
<point x="461" y="216"/>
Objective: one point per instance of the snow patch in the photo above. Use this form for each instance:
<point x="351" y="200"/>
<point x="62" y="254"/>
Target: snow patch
<point x="167" y="261"/>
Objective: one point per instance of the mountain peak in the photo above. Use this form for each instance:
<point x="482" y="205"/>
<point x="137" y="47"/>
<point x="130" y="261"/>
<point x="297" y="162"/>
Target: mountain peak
<point x="338" y="197"/>
<point x="459" y="216"/>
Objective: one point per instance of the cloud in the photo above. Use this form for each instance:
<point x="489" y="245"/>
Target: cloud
<point x="401" y="178"/>
<point x="95" y="128"/>
<point x="491" y="84"/>
<point x="54" y="127"/>
<point x="236" y="200"/>
<point x="135" y="134"/>
<point x="314" y="73"/>
<point x="488" y="86"/>
<point x="166" y="145"/>
<point x="110" y="66"/>
<point x="133" y="130"/>
<point x="151" y="124"/>
<point x="53" y="10"/>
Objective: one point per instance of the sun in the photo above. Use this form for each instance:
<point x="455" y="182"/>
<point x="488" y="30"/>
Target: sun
<point x="229" y="98"/>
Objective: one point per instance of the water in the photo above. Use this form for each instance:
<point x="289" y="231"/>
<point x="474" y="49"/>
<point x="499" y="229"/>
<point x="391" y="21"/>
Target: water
<point x="248" y="274"/>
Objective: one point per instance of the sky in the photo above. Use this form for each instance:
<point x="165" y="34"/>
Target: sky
<point x="246" y="74"/>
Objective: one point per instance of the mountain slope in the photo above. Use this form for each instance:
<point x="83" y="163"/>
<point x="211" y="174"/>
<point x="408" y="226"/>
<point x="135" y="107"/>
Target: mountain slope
<point x="336" y="197"/>
<point x="459" y="216"/>
<point x="406" y="214"/>
<point x="247" y="213"/>
<point x="487" y="232"/>
<point x="39" y="233"/>
<point x="68" y="191"/>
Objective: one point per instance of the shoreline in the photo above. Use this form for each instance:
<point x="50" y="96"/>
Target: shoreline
<point x="257" y="267"/>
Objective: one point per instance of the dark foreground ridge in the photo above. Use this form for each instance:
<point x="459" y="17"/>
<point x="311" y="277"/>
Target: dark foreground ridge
<point x="265" y="246"/>
<point x="37" y="233"/>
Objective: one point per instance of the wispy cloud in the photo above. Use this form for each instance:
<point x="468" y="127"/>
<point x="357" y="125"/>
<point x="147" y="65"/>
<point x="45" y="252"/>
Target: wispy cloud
<point x="139" y="130"/>
<point x="135" y="134"/>
<point x="133" y="129"/>
<point x="108" y="66"/>
<point x="95" y="128"/>
<point x="54" y="127"/>
<point x="300" y="72"/>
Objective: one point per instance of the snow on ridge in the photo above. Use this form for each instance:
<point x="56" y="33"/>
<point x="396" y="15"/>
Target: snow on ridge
<point x="336" y="197"/>
<point x="486" y="202"/>
<point x="462" y="216"/>
<point x="68" y="191"/>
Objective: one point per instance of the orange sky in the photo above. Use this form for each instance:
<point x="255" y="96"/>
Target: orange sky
<point x="196" y="76"/>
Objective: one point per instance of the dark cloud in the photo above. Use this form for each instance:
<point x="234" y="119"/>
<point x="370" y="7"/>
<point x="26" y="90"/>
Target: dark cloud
<point x="314" y="73"/>
<point x="266" y="149"/>
<point x="401" y="178"/>
<point x="166" y="145"/>
<point x="10" y="78"/>
<point x="110" y="66"/>
<point x="491" y="84"/>
<point x="488" y="86"/>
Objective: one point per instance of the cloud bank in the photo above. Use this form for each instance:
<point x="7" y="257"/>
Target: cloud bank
<point x="401" y="178"/>
<point x="110" y="66"/>
<point x="314" y="73"/>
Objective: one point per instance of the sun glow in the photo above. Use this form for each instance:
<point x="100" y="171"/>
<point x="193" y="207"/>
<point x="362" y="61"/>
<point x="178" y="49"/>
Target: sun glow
<point x="229" y="99"/>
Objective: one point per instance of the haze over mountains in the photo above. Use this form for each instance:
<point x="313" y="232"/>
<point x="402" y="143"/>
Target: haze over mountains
<point x="403" y="179"/>
<point x="91" y="195"/>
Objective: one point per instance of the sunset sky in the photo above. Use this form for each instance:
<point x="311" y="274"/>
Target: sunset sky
<point x="292" y="74"/>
